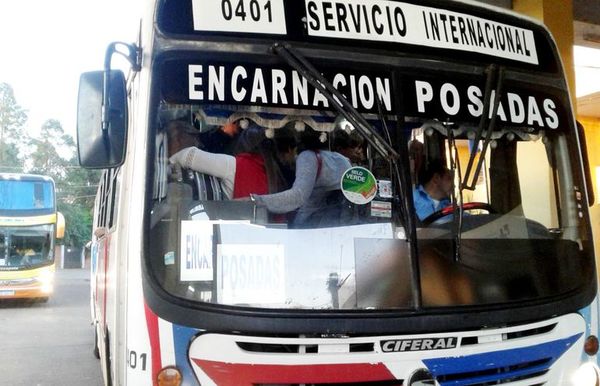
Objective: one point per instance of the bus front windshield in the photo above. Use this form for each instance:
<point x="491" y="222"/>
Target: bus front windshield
<point x="510" y="233"/>
<point x="26" y="247"/>
<point x="514" y="231"/>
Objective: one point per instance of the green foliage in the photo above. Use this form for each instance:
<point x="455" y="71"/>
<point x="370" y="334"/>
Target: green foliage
<point x="46" y="159"/>
<point x="78" y="221"/>
<point x="53" y="153"/>
<point x="12" y="119"/>
<point x="11" y="162"/>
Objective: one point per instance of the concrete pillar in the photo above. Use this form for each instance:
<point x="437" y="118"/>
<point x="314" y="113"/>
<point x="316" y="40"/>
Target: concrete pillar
<point x="557" y="15"/>
<point x="59" y="256"/>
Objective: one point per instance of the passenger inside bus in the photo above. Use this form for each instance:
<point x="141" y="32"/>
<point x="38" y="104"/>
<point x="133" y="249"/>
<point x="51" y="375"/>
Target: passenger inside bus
<point x="240" y="175"/>
<point x="21" y="256"/>
<point x="316" y="193"/>
<point x="187" y="150"/>
<point x="244" y="136"/>
<point x="433" y="192"/>
<point x="277" y="151"/>
<point x="181" y="136"/>
<point x="220" y="139"/>
<point x="349" y="144"/>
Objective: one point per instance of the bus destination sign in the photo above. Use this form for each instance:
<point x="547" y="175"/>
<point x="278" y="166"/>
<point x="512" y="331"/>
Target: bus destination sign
<point x="424" y="95"/>
<point x="371" y="20"/>
<point x="261" y="84"/>
<point x="380" y="20"/>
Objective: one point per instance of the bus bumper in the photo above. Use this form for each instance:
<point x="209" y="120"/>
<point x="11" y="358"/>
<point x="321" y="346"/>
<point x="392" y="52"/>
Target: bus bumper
<point x="37" y="283"/>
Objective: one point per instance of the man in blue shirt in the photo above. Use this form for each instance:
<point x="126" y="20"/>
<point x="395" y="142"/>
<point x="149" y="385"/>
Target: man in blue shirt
<point x="434" y="191"/>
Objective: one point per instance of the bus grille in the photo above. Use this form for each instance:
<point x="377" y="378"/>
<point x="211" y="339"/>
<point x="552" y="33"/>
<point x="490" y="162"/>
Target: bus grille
<point x="532" y="358"/>
<point x="500" y="376"/>
<point x="296" y="348"/>
<point x="16" y="282"/>
<point x="533" y="370"/>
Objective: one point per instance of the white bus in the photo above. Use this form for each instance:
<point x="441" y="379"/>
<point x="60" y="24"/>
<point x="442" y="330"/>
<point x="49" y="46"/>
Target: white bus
<point x="498" y="287"/>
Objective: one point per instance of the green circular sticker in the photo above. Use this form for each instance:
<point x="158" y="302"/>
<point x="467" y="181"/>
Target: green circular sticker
<point x="359" y="185"/>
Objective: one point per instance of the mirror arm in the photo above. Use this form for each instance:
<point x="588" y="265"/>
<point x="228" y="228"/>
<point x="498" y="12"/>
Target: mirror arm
<point x="587" y="172"/>
<point x="133" y="57"/>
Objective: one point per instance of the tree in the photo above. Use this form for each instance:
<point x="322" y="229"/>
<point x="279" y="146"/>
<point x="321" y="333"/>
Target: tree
<point x="78" y="223"/>
<point x="76" y="194"/>
<point x="46" y="158"/>
<point x="12" y="119"/>
<point x="53" y="154"/>
<point x="12" y="162"/>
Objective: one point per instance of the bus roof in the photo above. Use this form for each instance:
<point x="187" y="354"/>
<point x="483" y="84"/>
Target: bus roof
<point x="25" y="177"/>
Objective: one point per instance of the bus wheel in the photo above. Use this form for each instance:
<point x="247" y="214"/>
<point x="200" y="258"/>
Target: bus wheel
<point x="109" y="380"/>
<point x="96" y="349"/>
<point x="43" y="299"/>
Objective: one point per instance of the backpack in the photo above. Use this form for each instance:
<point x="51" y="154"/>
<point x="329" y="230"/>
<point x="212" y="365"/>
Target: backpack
<point x="336" y="210"/>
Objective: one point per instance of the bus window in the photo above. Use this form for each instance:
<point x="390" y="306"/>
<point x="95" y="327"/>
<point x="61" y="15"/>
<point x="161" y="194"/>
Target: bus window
<point x="3" y="249"/>
<point x="32" y="246"/>
<point x="274" y="136"/>
<point x="265" y="236"/>
<point x="506" y="181"/>
<point x="514" y="209"/>
<point x="538" y="207"/>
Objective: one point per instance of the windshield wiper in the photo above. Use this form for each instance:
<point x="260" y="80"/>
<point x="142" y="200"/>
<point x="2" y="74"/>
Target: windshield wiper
<point x="457" y="202"/>
<point x="336" y="99"/>
<point x="373" y="138"/>
<point x="494" y="74"/>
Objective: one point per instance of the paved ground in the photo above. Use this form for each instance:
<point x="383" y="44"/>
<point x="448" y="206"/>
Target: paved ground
<point x="50" y="344"/>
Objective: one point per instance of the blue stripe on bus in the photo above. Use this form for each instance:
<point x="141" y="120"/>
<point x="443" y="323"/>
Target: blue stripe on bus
<point x="497" y="365"/>
<point x="182" y="337"/>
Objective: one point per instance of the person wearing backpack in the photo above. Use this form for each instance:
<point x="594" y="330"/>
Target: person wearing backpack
<point x="315" y="194"/>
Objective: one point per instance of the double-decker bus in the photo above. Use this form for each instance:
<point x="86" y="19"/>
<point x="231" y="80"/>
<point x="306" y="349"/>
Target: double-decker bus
<point x="29" y="225"/>
<point x="497" y="287"/>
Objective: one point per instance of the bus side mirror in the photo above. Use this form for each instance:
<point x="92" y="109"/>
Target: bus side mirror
<point x="60" y="225"/>
<point x="101" y="147"/>
<point x="586" y="164"/>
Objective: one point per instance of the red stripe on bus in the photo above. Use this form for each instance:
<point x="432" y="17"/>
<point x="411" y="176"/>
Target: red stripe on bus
<point x="152" y="323"/>
<point x="250" y="374"/>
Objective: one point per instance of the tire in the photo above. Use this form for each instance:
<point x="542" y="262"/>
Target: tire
<point x="96" y="350"/>
<point x="109" y="380"/>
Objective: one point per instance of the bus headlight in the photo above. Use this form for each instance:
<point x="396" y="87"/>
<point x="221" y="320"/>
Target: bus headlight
<point x="586" y="375"/>
<point x="46" y="280"/>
